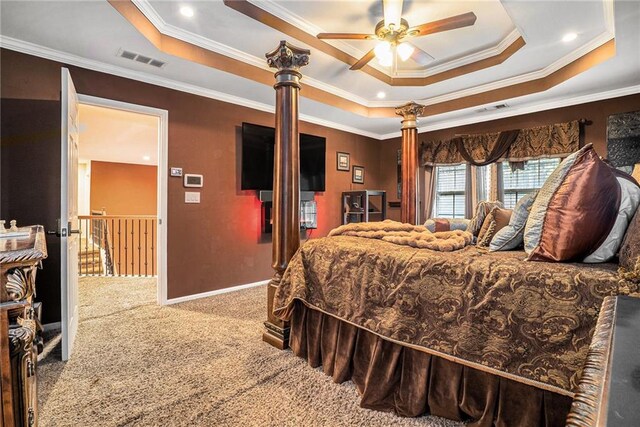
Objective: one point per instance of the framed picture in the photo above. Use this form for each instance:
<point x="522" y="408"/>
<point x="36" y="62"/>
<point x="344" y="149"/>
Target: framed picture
<point x="358" y="175"/>
<point x="343" y="162"/>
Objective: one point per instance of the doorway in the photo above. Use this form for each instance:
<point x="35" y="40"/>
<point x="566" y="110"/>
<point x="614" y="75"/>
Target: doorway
<point x="98" y="236"/>
<point x="122" y="191"/>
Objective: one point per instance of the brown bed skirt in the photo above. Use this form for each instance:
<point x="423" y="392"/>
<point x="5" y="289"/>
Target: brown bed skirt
<point x="409" y="382"/>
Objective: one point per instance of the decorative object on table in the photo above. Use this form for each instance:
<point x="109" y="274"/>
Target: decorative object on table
<point x="623" y="141"/>
<point x="583" y="195"/>
<point x="343" y="161"/>
<point x="13" y="232"/>
<point x="358" y="175"/>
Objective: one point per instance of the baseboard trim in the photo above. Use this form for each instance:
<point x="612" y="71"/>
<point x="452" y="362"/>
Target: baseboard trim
<point x="216" y="292"/>
<point x="51" y="326"/>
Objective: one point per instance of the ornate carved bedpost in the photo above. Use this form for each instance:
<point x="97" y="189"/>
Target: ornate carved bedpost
<point x="409" y="201"/>
<point x="287" y="59"/>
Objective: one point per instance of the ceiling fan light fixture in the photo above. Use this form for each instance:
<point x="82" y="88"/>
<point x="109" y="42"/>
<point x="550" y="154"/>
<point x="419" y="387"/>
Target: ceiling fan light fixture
<point x="386" y="61"/>
<point x="382" y="50"/>
<point x="405" y="50"/>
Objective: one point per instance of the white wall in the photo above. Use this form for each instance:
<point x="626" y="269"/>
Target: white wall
<point x="84" y="187"/>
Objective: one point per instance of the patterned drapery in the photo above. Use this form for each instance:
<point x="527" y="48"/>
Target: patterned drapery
<point x="557" y="140"/>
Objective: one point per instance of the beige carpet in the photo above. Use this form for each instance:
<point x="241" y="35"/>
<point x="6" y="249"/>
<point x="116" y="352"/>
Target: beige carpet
<point x="200" y="363"/>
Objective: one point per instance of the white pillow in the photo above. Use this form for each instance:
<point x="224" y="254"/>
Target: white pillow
<point x="629" y="201"/>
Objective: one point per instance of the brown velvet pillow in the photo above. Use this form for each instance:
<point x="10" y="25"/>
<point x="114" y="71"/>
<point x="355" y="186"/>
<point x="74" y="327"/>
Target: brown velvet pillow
<point x="575" y="209"/>
<point x="495" y="221"/>
<point x="482" y="210"/>
<point x="630" y="249"/>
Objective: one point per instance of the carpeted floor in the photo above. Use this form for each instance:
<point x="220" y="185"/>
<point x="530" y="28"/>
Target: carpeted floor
<point x="200" y="363"/>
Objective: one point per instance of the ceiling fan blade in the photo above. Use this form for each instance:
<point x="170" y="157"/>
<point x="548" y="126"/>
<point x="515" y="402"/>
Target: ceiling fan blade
<point x="458" y="21"/>
<point x="346" y="36"/>
<point x="363" y="61"/>
<point x="420" y="56"/>
<point x="392" y="10"/>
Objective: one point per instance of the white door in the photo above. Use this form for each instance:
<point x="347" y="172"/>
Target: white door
<point x="69" y="214"/>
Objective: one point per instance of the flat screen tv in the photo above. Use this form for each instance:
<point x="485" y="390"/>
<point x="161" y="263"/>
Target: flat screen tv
<point x="258" y="144"/>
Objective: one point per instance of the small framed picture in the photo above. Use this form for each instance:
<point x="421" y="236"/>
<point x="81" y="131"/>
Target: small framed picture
<point x="343" y="162"/>
<point x="358" y="175"/>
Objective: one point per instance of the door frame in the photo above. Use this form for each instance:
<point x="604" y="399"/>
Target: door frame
<point x="163" y="169"/>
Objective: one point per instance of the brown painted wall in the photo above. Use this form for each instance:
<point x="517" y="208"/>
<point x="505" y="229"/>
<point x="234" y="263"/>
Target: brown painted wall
<point x="124" y="188"/>
<point x="213" y="245"/>
<point x="596" y="133"/>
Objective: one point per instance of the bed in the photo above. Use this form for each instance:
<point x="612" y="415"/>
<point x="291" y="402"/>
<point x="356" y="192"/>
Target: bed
<point x="469" y="335"/>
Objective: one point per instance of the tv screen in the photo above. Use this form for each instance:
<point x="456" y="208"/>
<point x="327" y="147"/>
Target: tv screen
<point x="258" y="144"/>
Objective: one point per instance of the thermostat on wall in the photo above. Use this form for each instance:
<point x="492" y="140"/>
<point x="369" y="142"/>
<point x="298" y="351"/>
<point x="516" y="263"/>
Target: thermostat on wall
<point x="192" y="180"/>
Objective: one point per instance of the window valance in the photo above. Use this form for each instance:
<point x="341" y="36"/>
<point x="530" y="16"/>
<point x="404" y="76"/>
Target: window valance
<point x="557" y="140"/>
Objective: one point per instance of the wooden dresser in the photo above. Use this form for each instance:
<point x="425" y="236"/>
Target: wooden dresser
<point x="19" y="259"/>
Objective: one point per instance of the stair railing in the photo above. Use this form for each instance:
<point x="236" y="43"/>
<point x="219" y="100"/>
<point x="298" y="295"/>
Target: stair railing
<point x="117" y="245"/>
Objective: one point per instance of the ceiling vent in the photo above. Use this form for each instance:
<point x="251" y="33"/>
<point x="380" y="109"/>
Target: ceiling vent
<point x="491" y="108"/>
<point x="141" y="58"/>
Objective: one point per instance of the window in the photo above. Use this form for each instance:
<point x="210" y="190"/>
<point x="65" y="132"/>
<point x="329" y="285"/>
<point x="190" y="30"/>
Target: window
<point x="450" y="186"/>
<point x="520" y="182"/>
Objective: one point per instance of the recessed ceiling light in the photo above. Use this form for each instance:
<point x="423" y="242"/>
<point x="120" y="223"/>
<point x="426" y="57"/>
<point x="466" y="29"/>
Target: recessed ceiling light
<point x="186" y="11"/>
<point x="569" y="37"/>
<point x="381" y="95"/>
<point x="146" y="158"/>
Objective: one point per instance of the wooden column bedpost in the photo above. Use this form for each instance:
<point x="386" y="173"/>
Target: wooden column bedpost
<point x="409" y="201"/>
<point x="287" y="59"/>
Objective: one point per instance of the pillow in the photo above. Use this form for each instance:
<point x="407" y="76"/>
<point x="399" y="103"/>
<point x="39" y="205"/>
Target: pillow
<point x="575" y="209"/>
<point x="446" y="224"/>
<point x="496" y="220"/>
<point x="630" y="249"/>
<point x="511" y="236"/>
<point x="628" y="206"/>
<point x="482" y="210"/>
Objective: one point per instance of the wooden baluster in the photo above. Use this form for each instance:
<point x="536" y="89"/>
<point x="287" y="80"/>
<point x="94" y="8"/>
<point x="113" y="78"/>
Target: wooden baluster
<point x="287" y="59"/>
<point x="409" y="201"/>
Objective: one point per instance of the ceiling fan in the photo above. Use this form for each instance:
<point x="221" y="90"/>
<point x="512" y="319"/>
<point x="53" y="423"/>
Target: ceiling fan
<point x="393" y="34"/>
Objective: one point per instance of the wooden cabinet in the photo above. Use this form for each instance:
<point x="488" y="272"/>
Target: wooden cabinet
<point x="364" y="206"/>
<point x="19" y="260"/>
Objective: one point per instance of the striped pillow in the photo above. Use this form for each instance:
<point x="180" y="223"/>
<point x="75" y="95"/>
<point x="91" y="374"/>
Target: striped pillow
<point x="512" y="236"/>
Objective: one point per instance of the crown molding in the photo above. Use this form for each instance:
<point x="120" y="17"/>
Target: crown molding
<point x="187" y="36"/>
<point x="527" y="109"/>
<point x="66" y="58"/>
<point x="70" y="59"/>
<point x="279" y="11"/>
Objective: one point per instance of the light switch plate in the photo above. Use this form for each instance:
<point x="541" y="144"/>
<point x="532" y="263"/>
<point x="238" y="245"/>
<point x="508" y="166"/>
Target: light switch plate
<point x="176" y="171"/>
<point x="192" y="197"/>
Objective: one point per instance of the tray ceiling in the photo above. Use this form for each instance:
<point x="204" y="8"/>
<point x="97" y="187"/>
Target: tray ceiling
<point x="457" y="84"/>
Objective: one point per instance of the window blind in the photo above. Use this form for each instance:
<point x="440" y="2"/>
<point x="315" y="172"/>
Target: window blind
<point x="521" y="182"/>
<point x="450" y="190"/>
